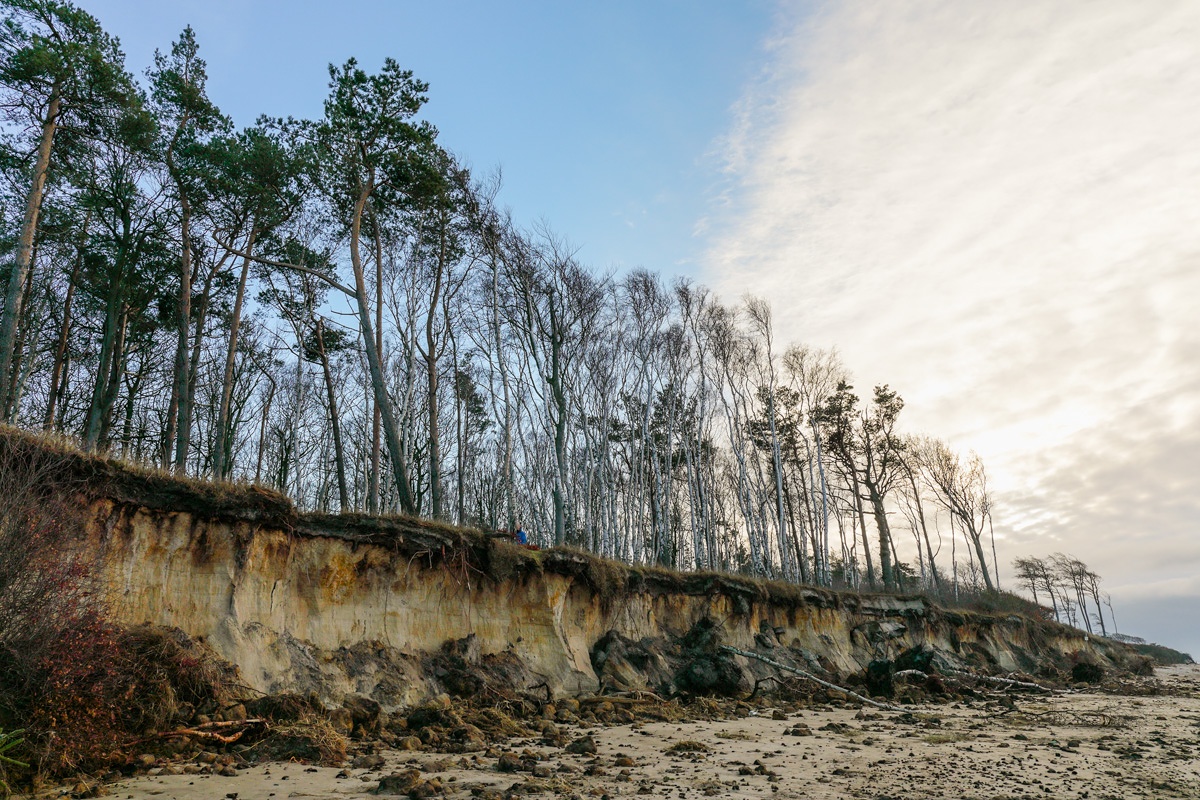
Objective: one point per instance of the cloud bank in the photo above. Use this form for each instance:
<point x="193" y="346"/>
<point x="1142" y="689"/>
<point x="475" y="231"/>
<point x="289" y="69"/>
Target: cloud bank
<point x="995" y="208"/>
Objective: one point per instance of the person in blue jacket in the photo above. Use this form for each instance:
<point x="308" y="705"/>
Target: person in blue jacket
<point x="520" y="536"/>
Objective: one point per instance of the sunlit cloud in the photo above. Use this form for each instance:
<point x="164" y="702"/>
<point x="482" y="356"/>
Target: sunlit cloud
<point x="995" y="208"/>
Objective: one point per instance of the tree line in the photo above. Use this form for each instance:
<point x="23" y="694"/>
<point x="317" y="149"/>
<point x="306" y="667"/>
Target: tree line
<point x="1068" y="589"/>
<point x="338" y="308"/>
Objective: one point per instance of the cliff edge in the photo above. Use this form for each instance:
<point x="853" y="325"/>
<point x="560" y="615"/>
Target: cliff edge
<point x="399" y="609"/>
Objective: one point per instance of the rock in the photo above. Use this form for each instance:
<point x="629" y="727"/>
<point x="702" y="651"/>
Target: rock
<point x="372" y="761"/>
<point x="926" y="659"/>
<point x="364" y="714"/>
<point x="713" y="673"/>
<point x="509" y="762"/>
<point x="628" y="665"/>
<point x="583" y="746"/>
<point x="468" y="738"/>
<point x="408" y="743"/>
<point x="425" y="789"/>
<point x="435" y="714"/>
<point x="146" y="760"/>
<point x="227" y="771"/>
<point x="398" y="782"/>
<point x="800" y="729"/>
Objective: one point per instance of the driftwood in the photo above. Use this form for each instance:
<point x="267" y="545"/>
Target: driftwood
<point x="808" y="675"/>
<point x="1001" y="681"/>
<point x="208" y="730"/>
<point x="1062" y="717"/>
<point x="623" y="698"/>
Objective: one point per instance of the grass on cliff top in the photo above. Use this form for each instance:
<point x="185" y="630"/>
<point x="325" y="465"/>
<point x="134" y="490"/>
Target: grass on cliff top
<point x="1163" y="655"/>
<point x="468" y="549"/>
<point x="111" y="478"/>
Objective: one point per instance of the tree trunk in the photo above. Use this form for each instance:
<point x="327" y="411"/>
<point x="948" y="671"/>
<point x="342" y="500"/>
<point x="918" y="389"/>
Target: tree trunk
<point x="506" y="476"/>
<point x="338" y="453"/>
<point x="16" y="281"/>
<point x="108" y="340"/>
<point x="862" y="523"/>
<point x="560" y="428"/>
<point x="262" y="431"/>
<point x="976" y="538"/>
<point x="57" y="381"/>
<point x="373" y="497"/>
<point x="16" y="380"/>
<point x="374" y="362"/>
<point x="431" y="373"/>
<point x="935" y="579"/>
<point x="222" y="447"/>
<point x="113" y="389"/>
<point x="885" y="534"/>
<point x="181" y="394"/>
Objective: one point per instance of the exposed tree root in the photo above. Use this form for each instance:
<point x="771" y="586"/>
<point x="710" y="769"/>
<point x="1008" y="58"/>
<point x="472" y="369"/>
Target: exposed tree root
<point x="808" y="675"/>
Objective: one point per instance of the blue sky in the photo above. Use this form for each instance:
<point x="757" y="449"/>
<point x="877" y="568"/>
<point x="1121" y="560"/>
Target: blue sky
<point x="994" y="208"/>
<point x="601" y="115"/>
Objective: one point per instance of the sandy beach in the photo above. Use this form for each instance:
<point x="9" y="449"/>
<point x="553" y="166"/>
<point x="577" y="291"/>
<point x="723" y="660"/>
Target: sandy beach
<point x="1090" y="744"/>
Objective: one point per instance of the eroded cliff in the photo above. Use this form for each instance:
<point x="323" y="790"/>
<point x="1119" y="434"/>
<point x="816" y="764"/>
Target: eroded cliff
<point x="359" y="605"/>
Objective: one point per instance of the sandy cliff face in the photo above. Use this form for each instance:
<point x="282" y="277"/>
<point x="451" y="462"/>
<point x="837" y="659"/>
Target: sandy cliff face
<point x="354" y="605"/>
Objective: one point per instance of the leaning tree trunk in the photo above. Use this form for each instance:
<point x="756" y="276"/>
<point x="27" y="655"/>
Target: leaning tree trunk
<point x="391" y="429"/>
<point x="16" y="281"/>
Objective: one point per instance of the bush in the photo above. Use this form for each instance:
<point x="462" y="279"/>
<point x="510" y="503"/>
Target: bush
<point x="51" y="631"/>
<point x="80" y="687"/>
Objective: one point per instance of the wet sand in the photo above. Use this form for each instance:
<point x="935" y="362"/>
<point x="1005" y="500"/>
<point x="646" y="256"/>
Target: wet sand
<point x="1079" y="744"/>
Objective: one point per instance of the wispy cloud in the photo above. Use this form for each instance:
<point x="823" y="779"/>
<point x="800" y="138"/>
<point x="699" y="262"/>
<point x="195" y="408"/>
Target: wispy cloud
<point x="996" y="209"/>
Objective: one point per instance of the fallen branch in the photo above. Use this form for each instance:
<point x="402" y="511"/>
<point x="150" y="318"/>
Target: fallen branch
<point x="1062" y="717"/>
<point x="1001" y="681"/>
<point x="623" y="698"/>
<point x="206" y="731"/>
<point x="814" y="679"/>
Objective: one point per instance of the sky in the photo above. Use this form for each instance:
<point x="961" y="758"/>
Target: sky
<point x="994" y="208"/>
